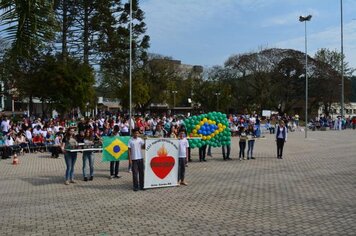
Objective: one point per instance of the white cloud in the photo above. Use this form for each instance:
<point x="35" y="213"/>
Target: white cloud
<point x="329" y="38"/>
<point x="169" y="18"/>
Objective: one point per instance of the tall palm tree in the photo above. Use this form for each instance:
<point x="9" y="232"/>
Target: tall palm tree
<point x="27" y="24"/>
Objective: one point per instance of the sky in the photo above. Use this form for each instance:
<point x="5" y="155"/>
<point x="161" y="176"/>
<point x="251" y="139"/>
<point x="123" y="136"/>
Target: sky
<point x="208" y="32"/>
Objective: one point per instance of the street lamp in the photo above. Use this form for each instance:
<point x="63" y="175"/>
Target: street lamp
<point x="305" y="19"/>
<point x="174" y="98"/>
<point x="217" y="94"/>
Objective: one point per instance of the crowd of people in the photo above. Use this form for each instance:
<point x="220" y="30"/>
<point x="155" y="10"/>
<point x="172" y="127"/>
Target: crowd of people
<point x="58" y="135"/>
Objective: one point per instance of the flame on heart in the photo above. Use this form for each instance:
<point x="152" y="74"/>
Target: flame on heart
<point x="162" y="151"/>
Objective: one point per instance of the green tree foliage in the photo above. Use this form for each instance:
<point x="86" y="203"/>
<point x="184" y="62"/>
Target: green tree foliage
<point x="275" y="79"/>
<point x="64" y="85"/>
<point x="27" y="24"/>
<point x="328" y="76"/>
<point x="113" y="43"/>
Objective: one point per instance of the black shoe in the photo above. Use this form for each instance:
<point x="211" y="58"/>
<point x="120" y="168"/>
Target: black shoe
<point x="85" y="179"/>
<point x="204" y="160"/>
<point x="91" y="178"/>
<point x="253" y="158"/>
<point x="280" y="157"/>
<point x="142" y="189"/>
<point x="228" y="158"/>
<point x="189" y="160"/>
<point x="135" y="189"/>
<point x="117" y="177"/>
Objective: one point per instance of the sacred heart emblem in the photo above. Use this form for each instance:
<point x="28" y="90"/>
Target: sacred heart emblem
<point x="162" y="164"/>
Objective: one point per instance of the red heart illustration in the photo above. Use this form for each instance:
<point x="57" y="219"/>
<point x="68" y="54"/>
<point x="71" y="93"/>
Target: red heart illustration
<point x="162" y="164"/>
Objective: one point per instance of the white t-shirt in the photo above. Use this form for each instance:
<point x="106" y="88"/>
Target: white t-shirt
<point x="135" y="146"/>
<point x="183" y="145"/>
<point x="5" y="125"/>
<point x="36" y="131"/>
<point x="56" y="128"/>
<point x="9" y="141"/>
<point x="124" y="128"/>
<point x="29" y="135"/>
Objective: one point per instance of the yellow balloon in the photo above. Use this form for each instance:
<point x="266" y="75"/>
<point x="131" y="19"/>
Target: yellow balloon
<point x="221" y="130"/>
<point x="205" y="120"/>
<point x="224" y="126"/>
<point x="201" y="122"/>
<point x="194" y="131"/>
<point x="197" y="127"/>
<point x="208" y="137"/>
<point x="216" y="131"/>
<point x="219" y="125"/>
<point x="204" y="137"/>
<point x="212" y="135"/>
<point x="214" y="122"/>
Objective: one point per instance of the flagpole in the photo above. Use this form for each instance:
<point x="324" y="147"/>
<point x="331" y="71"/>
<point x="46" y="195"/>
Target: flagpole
<point x="130" y="70"/>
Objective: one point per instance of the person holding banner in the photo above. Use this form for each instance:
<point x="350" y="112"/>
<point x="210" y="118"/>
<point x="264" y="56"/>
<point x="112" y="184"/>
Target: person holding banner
<point x="69" y="142"/>
<point x="182" y="157"/>
<point x="88" y="140"/>
<point x="135" y="159"/>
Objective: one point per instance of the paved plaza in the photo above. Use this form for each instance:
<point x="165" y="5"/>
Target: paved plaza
<point x="312" y="191"/>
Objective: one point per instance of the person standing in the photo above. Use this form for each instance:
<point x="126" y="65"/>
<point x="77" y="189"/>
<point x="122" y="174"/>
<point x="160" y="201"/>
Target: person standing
<point x="251" y="134"/>
<point x="88" y="155"/>
<point x="242" y="142"/>
<point x="281" y="138"/>
<point x="5" y="126"/>
<point x="114" y="165"/>
<point x="69" y="142"/>
<point x="135" y="159"/>
<point x="226" y="154"/>
<point x="202" y="152"/>
<point x="183" y="145"/>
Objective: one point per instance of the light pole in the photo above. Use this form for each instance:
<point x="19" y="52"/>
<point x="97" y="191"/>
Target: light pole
<point x="130" y="70"/>
<point x="217" y="100"/>
<point x="174" y="99"/>
<point x="342" y="62"/>
<point x="305" y="19"/>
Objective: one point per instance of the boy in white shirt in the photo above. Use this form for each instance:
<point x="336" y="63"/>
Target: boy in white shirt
<point x="136" y="160"/>
<point x="183" y="145"/>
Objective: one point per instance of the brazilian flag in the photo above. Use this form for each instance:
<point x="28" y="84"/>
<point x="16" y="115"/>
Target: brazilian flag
<point x="115" y="148"/>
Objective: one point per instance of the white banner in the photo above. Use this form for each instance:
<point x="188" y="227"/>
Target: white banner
<point x="161" y="163"/>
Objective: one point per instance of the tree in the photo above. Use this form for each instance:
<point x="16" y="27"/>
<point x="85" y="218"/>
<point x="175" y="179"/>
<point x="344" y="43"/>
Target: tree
<point x="113" y="45"/>
<point x="329" y="78"/>
<point x="27" y="24"/>
<point x="275" y="79"/>
<point x="64" y="85"/>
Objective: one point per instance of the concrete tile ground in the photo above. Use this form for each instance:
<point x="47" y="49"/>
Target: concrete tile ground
<point x="312" y="191"/>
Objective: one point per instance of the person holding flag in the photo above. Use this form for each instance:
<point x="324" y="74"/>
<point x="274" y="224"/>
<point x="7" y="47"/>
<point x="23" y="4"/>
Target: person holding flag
<point x="114" y="165"/>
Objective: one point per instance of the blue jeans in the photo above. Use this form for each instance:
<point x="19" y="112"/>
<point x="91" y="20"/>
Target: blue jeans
<point x="88" y="156"/>
<point x="251" y="144"/>
<point x="242" y="149"/>
<point x="70" y="159"/>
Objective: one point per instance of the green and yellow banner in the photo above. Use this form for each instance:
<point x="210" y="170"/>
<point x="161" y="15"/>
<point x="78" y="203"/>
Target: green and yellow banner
<point x="115" y="148"/>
